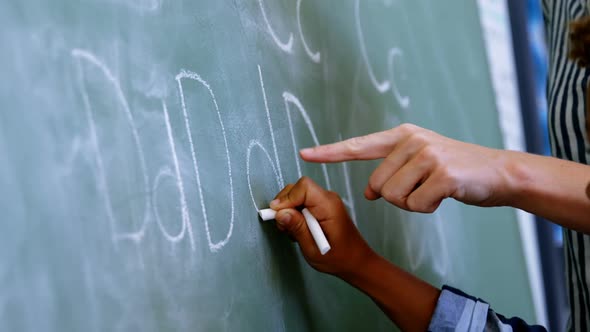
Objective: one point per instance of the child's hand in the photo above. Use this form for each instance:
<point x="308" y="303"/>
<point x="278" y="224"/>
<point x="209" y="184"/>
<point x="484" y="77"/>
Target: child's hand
<point x="349" y="249"/>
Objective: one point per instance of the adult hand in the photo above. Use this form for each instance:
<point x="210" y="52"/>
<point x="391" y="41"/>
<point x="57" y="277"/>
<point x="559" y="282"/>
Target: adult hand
<point x="421" y="168"/>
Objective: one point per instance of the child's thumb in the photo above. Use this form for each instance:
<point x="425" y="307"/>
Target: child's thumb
<point x="293" y="223"/>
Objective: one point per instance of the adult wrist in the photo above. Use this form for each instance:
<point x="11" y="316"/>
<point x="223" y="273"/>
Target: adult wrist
<point x="518" y="179"/>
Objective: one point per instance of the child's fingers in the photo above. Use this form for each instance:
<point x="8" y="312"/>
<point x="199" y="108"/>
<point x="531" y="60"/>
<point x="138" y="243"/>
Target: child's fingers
<point x="284" y="191"/>
<point x="304" y="193"/>
<point x="278" y="197"/>
<point x="282" y="229"/>
<point x="281" y="195"/>
<point x="293" y="223"/>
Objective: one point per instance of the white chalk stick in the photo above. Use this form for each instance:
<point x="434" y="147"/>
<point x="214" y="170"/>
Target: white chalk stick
<point x="267" y="214"/>
<point x="312" y="224"/>
<point x="316" y="232"/>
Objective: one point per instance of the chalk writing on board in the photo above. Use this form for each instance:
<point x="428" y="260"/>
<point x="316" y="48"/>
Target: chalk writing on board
<point x="383" y="86"/>
<point x="288" y="46"/>
<point x="403" y="101"/>
<point x="255" y="143"/>
<point x="433" y="251"/>
<point x="314" y="56"/>
<point x="163" y="173"/>
<point x="185" y="217"/>
<point x="291" y="99"/>
<point x="185" y="74"/>
<point x="83" y="55"/>
<point x="186" y="229"/>
<point x="272" y="134"/>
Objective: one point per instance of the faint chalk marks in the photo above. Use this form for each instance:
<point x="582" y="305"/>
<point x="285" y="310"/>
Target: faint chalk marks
<point x="89" y="58"/>
<point x="177" y="176"/>
<point x="403" y="101"/>
<point x="384" y="85"/>
<point x="314" y="56"/>
<point x="285" y="46"/>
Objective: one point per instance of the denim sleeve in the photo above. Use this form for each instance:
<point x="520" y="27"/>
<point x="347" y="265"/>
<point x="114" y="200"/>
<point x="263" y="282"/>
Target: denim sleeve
<point x="457" y="311"/>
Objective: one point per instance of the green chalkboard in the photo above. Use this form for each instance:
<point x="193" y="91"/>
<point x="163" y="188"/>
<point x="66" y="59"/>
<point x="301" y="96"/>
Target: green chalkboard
<point x="138" y="138"/>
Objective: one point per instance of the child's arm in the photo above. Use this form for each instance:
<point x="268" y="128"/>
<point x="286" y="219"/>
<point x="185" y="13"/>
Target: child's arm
<point x="412" y="304"/>
<point x="421" y="168"/>
<point x="407" y="300"/>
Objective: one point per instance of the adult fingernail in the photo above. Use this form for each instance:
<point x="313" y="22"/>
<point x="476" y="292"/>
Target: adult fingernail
<point x="306" y="150"/>
<point x="284" y="219"/>
<point x="274" y="203"/>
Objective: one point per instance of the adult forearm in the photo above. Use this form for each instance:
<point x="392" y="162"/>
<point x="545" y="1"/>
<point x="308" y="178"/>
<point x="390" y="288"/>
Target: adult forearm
<point x="552" y="188"/>
<point x="408" y="301"/>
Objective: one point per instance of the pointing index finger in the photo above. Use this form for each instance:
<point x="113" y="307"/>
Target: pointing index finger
<point x="373" y="146"/>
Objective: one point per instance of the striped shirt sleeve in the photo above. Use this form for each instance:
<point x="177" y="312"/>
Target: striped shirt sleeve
<point x="457" y="311"/>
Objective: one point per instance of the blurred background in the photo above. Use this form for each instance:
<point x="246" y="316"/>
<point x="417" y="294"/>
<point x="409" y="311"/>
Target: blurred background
<point x="530" y="50"/>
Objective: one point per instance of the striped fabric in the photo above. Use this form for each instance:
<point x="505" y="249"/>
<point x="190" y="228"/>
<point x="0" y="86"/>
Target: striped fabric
<point x="566" y="97"/>
<point x="457" y="311"/>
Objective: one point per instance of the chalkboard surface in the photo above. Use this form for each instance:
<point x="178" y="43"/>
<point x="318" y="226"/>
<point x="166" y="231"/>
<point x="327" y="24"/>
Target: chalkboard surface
<point x="139" y="137"/>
